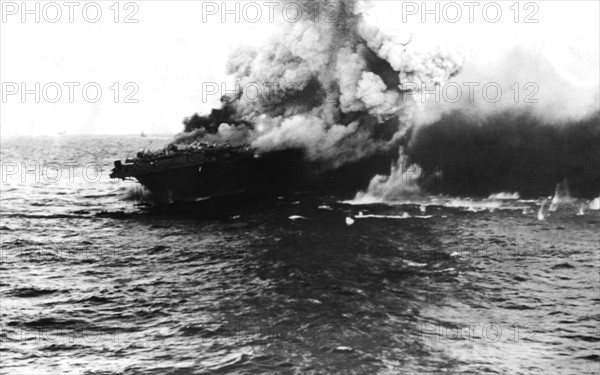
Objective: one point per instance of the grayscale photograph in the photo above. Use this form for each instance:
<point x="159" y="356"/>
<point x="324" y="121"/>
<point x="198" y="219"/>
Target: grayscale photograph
<point x="300" y="187"/>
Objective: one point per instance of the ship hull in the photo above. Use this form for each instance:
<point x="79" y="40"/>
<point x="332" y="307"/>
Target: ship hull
<point x="274" y="173"/>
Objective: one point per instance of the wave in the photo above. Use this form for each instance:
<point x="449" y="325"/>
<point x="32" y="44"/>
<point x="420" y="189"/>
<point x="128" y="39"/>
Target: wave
<point x="505" y="196"/>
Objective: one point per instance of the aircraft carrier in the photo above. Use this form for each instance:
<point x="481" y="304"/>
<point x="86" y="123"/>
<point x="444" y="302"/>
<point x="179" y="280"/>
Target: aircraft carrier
<point x="201" y="170"/>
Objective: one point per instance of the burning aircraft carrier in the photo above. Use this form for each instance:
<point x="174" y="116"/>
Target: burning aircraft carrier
<point x="193" y="169"/>
<point x="334" y="117"/>
<point x="334" y="114"/>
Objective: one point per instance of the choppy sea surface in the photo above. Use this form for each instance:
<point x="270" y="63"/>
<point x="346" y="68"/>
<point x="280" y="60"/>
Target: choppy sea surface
<point x="93" y="282"/>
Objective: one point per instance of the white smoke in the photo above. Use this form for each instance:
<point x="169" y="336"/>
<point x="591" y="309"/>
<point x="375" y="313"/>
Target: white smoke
<point x="318" y="72"/>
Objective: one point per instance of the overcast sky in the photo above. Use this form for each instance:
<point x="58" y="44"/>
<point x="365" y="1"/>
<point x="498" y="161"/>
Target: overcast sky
<point x="171" y="51"/>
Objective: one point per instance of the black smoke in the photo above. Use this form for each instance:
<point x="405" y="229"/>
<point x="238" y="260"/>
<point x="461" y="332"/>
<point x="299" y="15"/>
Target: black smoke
<point x="516" y="152"/>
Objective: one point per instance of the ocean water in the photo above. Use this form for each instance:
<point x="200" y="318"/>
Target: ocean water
<point x="95" y="282"/>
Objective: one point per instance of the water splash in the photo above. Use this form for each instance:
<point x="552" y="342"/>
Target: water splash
<point x="540" y="215"/>
<point x="400" y="185"/>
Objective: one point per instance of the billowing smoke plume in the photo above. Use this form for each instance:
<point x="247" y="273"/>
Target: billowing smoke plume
<point x="330" y="88"/>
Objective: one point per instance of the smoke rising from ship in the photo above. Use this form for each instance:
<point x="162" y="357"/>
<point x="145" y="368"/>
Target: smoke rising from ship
<point x="347" y="89"/>
<point x="334" y="87"/>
